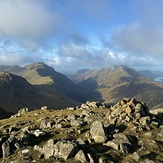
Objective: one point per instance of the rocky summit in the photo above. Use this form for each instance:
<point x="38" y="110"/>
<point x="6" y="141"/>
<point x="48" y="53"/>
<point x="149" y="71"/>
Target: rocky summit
<point x="91" y="133"/>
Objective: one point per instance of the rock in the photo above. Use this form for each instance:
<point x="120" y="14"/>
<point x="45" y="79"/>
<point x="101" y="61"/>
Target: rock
<point x="102" y="160"/>
<point x="50" y="124"/>
<point x="80" y="141"/>
<point x="135" y="156"/>
<point x="145" y="121"/>
<point x="70" y="108"/>
<point x="65" y="149"/>
<point x="38" y="133"/>
<point x="25" y="151"/>
<point x="71" y="117"/>
<point x="80" y="156"/>
<point x="97" y="132"/>
<point x="84" y="106"/>
<point x="113" y="144"/>
<point x="160" y="136"/>
<point x="20" y="112"/>
<point x="157" y="111"/>
<point x="91" y="160"/>
<point x="128" y="110"/>
<point x="148" y="134"/>
<point x="25" y="138"/>
<point x="44" y="108"/>
<point x="58" y="125"/>
<point x="154" y="124"/>
<point x="75" y="123"/>
<point x="23" y="110"/>
<point x="120" y="142"/>
<point x="92" y="104"/>
<point x="7" y="149"/>
<point x="43" y="124"/>
<point x="47" y="150"/>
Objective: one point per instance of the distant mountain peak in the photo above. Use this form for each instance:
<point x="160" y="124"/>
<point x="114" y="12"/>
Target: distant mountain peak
<point x="37" y="65"/>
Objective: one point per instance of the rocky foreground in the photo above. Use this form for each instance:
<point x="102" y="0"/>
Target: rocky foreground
<point x="91" y="133"/>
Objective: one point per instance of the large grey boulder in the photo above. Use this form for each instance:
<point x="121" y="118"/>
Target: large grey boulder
<point x="97" y="132"/>
<point x="65" y="149"/>
<point x="120" y="142"/>
<point x="47" y="150"/>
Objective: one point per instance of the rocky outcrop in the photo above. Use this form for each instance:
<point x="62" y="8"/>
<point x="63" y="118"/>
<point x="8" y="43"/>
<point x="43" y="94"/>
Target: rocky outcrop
<point x="92" y="132"/>
<point x="20" y="112"/>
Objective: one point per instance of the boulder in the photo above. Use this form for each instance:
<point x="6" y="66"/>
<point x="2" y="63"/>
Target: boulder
<point x="47" y="150"/>
<point x="7" y="149"/>
<point x="97" y="132"/>
<point x="43" y="124"/>
<point x="145" y="121"/>
<point x="23" y="110"/>
<point x="38" y="133"/>
<point x="120" y="142"/>
<point x="65" y="149"/>
<point x="80" y="156"/>
<point x="44" y="108"/>
<point x="50" y="124"/>
<point x="71" y="117"/>
<point x="76" y="123"/>
<point x="25" y="138"/>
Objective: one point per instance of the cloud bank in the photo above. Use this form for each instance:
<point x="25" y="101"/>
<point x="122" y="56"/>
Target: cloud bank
<point x="71" y="34"/>
<point x="26" y="21"/>
<point x="145" y="36"/>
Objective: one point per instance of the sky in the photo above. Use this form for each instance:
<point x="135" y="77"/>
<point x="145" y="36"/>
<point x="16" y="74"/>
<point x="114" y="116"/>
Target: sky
<point x="74" y="34"/>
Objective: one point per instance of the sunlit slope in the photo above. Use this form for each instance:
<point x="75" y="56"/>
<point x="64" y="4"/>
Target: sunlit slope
<point x="112" y="84"/>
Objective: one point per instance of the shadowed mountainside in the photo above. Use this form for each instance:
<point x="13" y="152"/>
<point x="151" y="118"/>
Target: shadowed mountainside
<point x="39" y="85"/>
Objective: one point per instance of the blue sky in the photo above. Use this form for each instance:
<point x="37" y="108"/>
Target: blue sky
<point x="74" y="34"/>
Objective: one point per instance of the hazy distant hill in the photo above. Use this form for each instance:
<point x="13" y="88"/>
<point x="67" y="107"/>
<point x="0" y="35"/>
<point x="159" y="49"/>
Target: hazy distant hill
<point x="112" y="84"/>
<point x="15" y="69"/>
<point x="147" y="73"/>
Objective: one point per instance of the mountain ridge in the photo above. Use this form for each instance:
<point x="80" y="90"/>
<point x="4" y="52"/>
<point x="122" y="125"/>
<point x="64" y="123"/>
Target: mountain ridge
<point x="105" y="85"/>
<point x="22" y="92"/>
<point x="115" y="83"/>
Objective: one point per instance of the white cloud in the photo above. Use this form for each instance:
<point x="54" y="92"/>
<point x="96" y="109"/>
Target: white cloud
<point x="140" y="40"/>
<point x="28" y="21"/>
<point x="17" y="59"/>
<point x="74" y="51"/>
<point x="57" y="32"/>
<point x="143" y="38"/>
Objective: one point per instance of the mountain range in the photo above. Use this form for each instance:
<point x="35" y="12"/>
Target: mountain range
<point x="112" y="84"/>
<point x="38" y="84"/>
